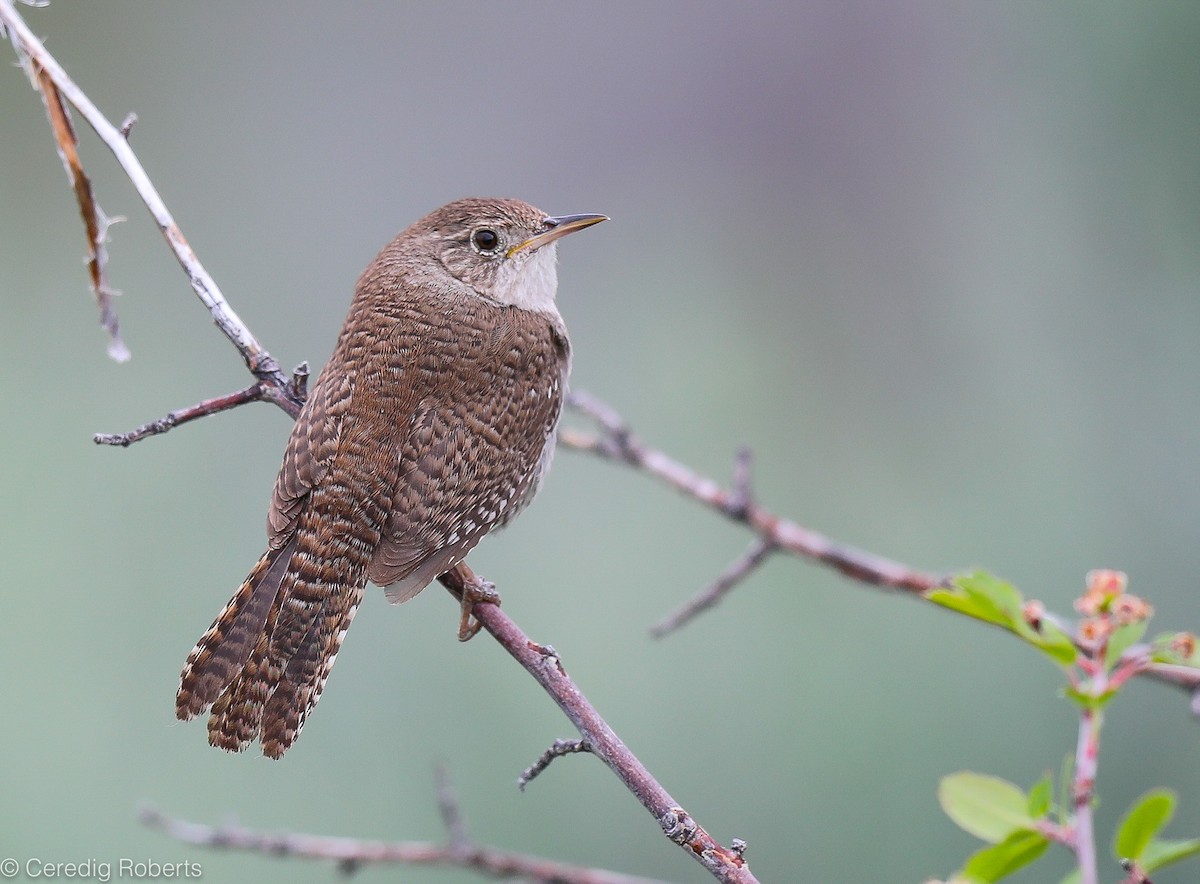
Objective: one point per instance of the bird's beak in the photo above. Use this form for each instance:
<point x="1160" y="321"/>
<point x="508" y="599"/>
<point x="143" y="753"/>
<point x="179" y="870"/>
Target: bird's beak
<point x="559" y="227"/>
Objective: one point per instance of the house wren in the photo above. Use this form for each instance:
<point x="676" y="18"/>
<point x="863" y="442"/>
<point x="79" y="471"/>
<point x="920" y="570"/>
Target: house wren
<point x="432" y="424"/>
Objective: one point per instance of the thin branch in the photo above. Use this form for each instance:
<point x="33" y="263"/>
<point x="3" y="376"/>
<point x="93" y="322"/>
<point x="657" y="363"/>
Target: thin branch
<point x="723" y="863"/>
<point x="451" y="813"/>
<point x="1186" y="677"/>
<point x="258" y="360"/>
<point x="351" y="853"/>
<point x="741" y="568"/>
<point x="95" y="221"/>
<point x="557" y="749"/>
<point x="741" y="492"/>
<point x="256" y="392"/>
<point x="259" y="391"/>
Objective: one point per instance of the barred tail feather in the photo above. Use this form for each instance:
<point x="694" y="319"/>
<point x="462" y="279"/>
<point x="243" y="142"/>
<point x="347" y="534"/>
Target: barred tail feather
<point x="303" y="680"/>
<point x="237" y="713"/>
<point x="264" y="661"/>
<point x="227" y="645"/>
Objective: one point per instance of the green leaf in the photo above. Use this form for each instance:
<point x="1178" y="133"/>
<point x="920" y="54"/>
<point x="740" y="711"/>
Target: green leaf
<point x="1120" y="641"/>
<point x="965" y="603"/>
<point x="982" y="596"/>
<point x="992" y="600"/>
<point x="1074" y="877"/>
<point x="1056" y="644"/>
<point x="1000" y="860"/>
<point x="988" y="807"/>
<point x="1003" y="595"/>
<point x="1143" y="821"/>
<point x="1041" y="797"/>
<point x="1163" y="853"/>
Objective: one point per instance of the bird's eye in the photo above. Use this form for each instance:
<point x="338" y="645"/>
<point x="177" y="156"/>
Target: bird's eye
<point x="485" y="239"/>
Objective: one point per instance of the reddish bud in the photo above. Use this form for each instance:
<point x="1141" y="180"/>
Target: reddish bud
<point x="1128" y="609"/>
<point x="1033" y="611"/>
<point x="1184" y="644"/>
<point x="1106" y="582"/>
<point x="1095" y="630"/>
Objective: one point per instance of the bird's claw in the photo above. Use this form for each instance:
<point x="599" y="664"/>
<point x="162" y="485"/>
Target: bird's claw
<point x="475" y="591"/>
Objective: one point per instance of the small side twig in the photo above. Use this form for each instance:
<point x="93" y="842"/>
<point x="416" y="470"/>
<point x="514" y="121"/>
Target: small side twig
<point x="557" y="749"/>
<point x="741" y="491"/>
<point x="259" y="391"/>
<point x="298" y="386"/>
<point x="741" y="568"/>
<point x="256" y="392"/>
<point x="451" y="813"/>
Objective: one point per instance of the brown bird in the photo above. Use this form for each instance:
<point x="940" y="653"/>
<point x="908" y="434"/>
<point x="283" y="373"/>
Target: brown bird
<point x="432" y="424"/>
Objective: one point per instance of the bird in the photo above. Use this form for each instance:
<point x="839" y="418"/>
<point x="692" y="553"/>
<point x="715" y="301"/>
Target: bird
<point x="432" y="424"/>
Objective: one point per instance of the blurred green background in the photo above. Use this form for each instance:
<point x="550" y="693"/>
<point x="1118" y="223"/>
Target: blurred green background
<point x="936" y="262"/>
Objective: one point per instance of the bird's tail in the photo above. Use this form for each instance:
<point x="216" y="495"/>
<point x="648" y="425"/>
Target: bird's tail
<point x="224" y="649"/>
<point x="263" y="663"/>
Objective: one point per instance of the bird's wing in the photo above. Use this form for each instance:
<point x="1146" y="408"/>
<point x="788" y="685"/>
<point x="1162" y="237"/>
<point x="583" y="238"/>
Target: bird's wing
<point x="312" y="446"/>
<point x="474" y="450"/>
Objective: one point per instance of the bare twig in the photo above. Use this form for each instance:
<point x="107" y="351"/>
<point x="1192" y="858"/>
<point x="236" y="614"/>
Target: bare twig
<point x="451" y="813"/>
<point x="95" y="221"/>
<point x="49" y="71"/>
<point x="557" y="749"/>
<point x="741" y="491"/>
<point x="351" y="853"/>
<point x="259" y="391"/>
<point x="741" y="568"/>
<point x="1186" y="677"/>
<point x="256" y="392"/>
<point x="723" y="863"/>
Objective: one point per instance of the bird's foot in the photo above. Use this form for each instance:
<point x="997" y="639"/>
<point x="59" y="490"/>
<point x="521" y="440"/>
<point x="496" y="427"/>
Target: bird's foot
<point x="475" y="591"/>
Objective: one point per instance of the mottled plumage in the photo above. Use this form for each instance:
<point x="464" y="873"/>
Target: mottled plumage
<point x="431" y="425"/>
